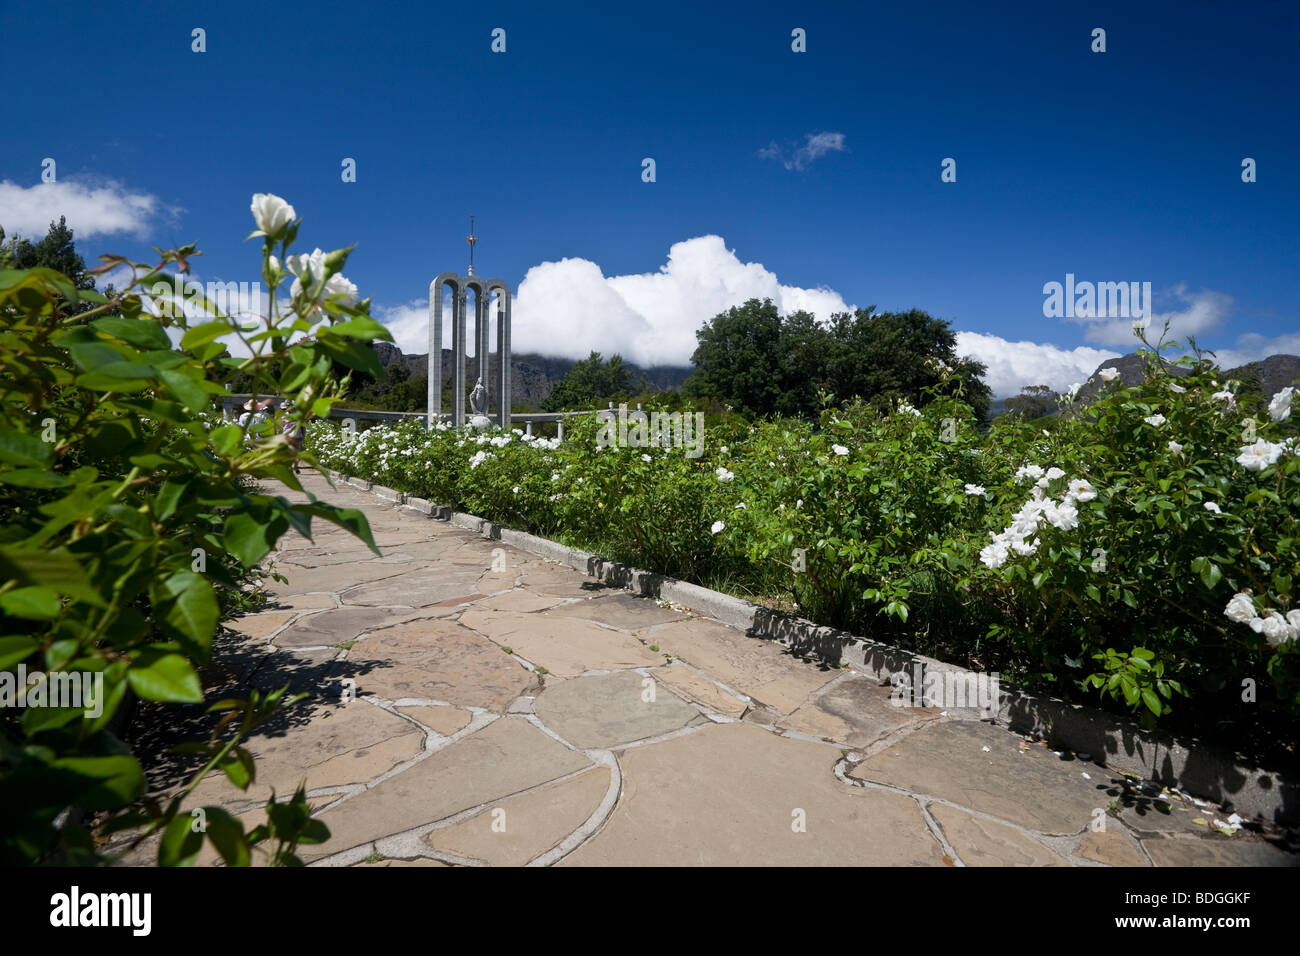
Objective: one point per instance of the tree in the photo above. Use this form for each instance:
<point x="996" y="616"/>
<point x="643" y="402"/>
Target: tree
<point x="888" y="357"/>
<point x="760" y="363"/>
<point x="752" y="359"/>
<point x="1034" y="401"/>
<point x="56" y="251"/>
<point x="590" y="383"/>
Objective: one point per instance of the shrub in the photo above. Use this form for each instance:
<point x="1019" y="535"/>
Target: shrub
<point x="133" y="521"/>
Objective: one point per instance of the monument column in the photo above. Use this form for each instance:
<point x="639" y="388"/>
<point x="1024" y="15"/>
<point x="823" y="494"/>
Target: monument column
<point x="458" y="361"/>
<point x="460" y="287"/>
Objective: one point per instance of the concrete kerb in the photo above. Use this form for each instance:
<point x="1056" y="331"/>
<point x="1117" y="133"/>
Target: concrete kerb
<point x="388" y="494"/>
<point x="1204" y="770"/>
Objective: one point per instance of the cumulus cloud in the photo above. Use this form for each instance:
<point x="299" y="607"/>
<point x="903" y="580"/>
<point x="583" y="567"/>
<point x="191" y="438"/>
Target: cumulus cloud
<point x="1201" y="312"/>
<point x="409" y="325"/>
<point x="92" y="208"/>
<point x="570" y="308"/>
<point x="815" y="146"/>
<point x="1251" y="347"/>
<point x="1013" y="365"/>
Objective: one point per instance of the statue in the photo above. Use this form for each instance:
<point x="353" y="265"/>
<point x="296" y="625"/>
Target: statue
<point x="478" y="404"/>
<point x="478" y="398"/>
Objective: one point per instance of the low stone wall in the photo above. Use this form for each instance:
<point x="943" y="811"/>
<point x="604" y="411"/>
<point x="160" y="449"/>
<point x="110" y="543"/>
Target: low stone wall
<point x="1204" y="770"/>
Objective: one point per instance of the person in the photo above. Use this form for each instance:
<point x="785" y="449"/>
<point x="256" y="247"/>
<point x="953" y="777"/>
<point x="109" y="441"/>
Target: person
<point x="294" y="432"/>
<point x="254" y="414"/>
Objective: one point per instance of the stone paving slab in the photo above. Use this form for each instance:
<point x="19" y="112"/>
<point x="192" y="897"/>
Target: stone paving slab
<point x="564" y="646"/>
<point x="700" y="689"/>
<point x="980" y="766"/>
<point x="330" y="628"/>
<point x="341" y="744"/>
<point x="736" y="795"/>
<point x="439" y="660"/>
<point x="623" y="610"/>
<point x="855" y="712"/>
<point x="610" y="709"/>
<point x="451" y="750"/>
<point x="521" y="828"/>
<point x="507" y="757"/>
<point x="758" y="669"/>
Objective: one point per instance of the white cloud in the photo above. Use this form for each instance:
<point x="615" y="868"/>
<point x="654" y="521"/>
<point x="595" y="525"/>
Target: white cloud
<point x="1013" y="365"/>
<point x="1251" y="347"/>
<point x="570" y="308"/>
<point x="1202" y="312"/>
<point x="102" y="208"/>
<point x="815" y="146"/>
<point x="409" y="325"/>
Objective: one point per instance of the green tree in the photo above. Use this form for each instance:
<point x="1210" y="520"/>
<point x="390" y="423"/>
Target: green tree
<point x="56" y="251"/>
<point x="1034" y="401"/>
<point x="888" y="357"/>
<point x="759" y="363"/>
<point x="591" y="382"/>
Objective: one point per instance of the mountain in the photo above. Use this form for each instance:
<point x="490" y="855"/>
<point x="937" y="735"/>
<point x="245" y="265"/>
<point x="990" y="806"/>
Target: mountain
<point x="1268" y="376"/>
<point x="532" y="376"/>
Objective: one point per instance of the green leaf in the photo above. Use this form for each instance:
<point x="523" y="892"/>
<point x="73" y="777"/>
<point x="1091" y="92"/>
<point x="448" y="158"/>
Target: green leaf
<point x="362" y="327"/>
<point x="238" y="766"/>
<point x="144" y="333"/>
<point x="248" y="538"/>
<point x="15" y="649"/>
<point x="186" y="390"/>
<point x="17" y="448"/>
<point x="56" y="570"/>
<point x="1152" y="701"/>
<point x="350" y="519"/>
<point x="227" y="835"/>
<point x="1130" y="691"/>
<point x="32" y="603"/>
<point x="181" y="843"/>
<point x="101" y="783"/>
<point x="203" y="334"/>
<point x="226" y="439"/>
<point x="34" y="478"/>
<point x="165" y="677"/>
<point x="191" y="609"/>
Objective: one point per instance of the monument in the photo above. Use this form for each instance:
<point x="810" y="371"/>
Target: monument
<point x="483" y="289"/>
<point x="478" y="400"/>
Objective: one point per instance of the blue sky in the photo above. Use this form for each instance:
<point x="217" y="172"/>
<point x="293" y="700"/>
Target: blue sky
<point x="1115" y="166"/>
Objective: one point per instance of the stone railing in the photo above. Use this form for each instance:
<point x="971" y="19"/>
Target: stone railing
<point x="232" y="404"/>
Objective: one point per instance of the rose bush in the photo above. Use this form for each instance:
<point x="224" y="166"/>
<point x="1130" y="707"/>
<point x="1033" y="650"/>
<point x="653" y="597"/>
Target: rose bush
<point x="1093" y="555"/>
<point x="134" y="525"/>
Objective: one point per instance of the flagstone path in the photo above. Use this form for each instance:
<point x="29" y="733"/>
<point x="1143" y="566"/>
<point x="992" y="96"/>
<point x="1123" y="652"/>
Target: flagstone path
<point x="474" y="704"/>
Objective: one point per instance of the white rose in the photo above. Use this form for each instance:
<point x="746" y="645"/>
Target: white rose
<point x="1108" y="374"/>
<point x="1279" y="409"/>
<point x="346" y="290"/>
<point x="271" y="213"/>
<point x="1241" y="609"/>
<point x="1259" y="456"/>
